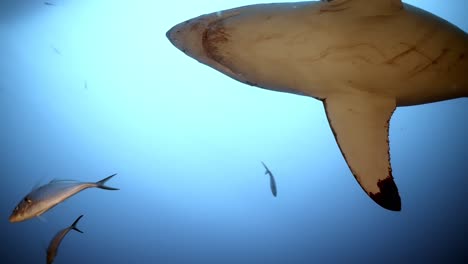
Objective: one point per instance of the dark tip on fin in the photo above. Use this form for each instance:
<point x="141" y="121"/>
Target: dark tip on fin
<point x="388" y="196"/>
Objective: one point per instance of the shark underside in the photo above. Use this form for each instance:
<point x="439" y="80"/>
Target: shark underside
<point x="361" y="58"/>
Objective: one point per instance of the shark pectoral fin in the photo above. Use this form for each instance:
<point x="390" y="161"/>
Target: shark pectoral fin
<point x="360" y="124"/>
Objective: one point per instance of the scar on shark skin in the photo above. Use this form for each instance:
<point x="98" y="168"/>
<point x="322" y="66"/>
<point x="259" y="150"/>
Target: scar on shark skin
<point x="441" y="55"/>
<point x="214" y="35"/>
<point x="411" y="48"/>
<point x="334" y="49"/>
<point x="460" y="58"/>
<point x="431" y="62"/>
<point x="414" y="47"/>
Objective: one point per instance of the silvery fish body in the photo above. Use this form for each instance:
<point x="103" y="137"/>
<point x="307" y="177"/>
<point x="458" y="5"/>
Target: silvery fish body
<point x="43" y="198"/>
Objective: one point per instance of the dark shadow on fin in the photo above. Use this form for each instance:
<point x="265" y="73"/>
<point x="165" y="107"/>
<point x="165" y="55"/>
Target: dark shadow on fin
<point x="388" y="196"/>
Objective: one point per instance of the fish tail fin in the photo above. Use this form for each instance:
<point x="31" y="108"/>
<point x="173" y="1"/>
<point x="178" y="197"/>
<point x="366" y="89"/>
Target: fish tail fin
<point x="73" y="226"/>
<point x="100" y="184"/>
<point x="266" y="169"/>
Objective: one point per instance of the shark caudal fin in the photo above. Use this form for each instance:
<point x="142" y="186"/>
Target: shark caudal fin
<point x="100" y="184"/>
<point x="73" y="226"/>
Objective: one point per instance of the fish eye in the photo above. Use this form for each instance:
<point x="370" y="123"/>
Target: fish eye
<point x="16" y="208"/>
<point x="26" y="199"/>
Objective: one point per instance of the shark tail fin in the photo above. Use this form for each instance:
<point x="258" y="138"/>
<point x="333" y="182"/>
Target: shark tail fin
<point x="73" y="226"/>
<point x="100" y="184"/>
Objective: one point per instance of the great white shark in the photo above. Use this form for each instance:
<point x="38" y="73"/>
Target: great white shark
<point x="361" y="58"/>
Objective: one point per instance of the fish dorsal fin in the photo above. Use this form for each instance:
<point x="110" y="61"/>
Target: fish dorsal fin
<point x="61" y="180"/>
<point x="367" y="7"/>
<point x="360" y="124"/>
<point x="36" y="186"/>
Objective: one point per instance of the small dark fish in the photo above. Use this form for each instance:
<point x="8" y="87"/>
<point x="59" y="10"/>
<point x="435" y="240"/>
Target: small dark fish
<point x="57" y="239"/>
<point x="49" y="3"/>
<point x="86" y="85"/>
<point x="272" y="180"/>
<point x="56" y="50"/>
<point x="43" y="198"/>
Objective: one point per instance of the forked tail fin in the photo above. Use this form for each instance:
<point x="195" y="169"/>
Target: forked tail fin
<point x="267" y="171"/>
<point x="100" y="184"/>
<point x="73" y="226"/>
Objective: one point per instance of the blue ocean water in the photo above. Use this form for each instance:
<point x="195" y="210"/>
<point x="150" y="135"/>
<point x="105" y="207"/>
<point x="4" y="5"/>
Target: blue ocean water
<point x="90" y="88"/>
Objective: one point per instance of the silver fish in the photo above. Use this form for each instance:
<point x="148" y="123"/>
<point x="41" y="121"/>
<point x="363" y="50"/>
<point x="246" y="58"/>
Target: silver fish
<point x="55" y="242"/>
<point x="272" y="180"/>
<point x="43" y="198"/>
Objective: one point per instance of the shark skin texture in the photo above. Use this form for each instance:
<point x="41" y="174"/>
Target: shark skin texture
<point x="361" y="58"/>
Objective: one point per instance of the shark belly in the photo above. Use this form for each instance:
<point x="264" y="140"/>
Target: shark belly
<point x="425" y="62"/>
<point x="361" y="58"/>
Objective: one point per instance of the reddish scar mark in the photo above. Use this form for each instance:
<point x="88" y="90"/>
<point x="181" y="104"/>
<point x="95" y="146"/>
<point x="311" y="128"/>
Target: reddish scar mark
<point x="442" y="54"/>
<point x="402" y="54"/>
<point x="214" y="35"/>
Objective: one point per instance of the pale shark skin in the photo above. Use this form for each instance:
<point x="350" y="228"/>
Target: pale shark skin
<point x="45" y="197"/>
<point x="362" y="58"/>
<point x="54" y="244"/>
